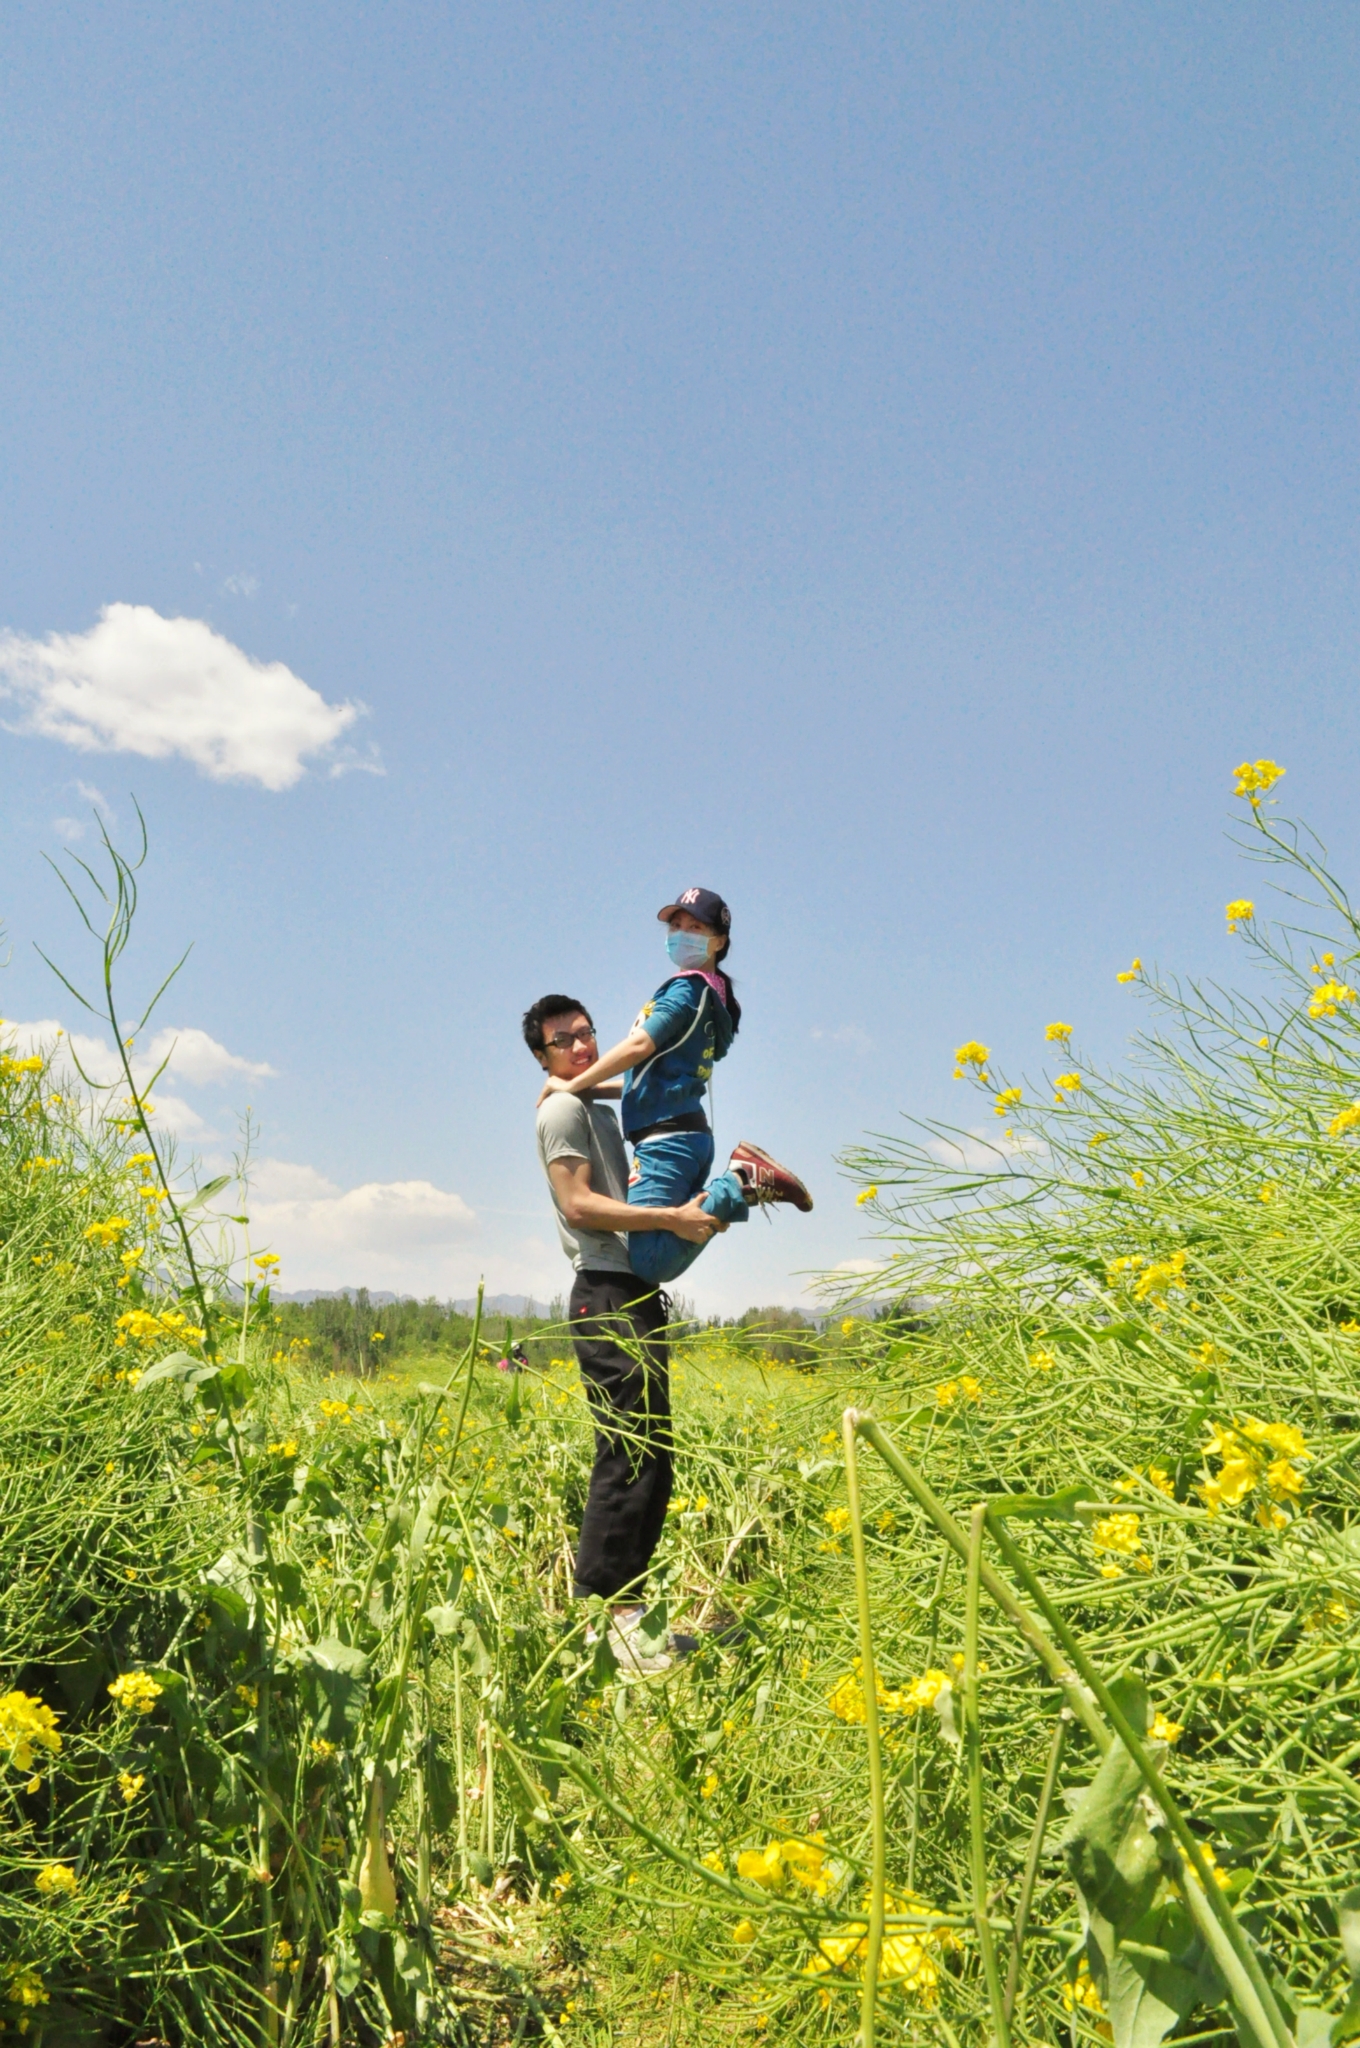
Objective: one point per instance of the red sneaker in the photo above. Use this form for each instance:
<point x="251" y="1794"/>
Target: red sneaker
<point x="765" y="1180"/>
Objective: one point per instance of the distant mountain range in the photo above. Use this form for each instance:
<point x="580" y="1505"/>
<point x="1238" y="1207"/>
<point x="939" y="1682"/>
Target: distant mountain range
<point x="513" y="1305"/>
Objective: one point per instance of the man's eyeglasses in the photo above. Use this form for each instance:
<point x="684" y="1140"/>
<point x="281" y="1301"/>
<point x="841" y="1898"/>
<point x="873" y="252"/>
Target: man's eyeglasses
<point x="562" y="1041"/>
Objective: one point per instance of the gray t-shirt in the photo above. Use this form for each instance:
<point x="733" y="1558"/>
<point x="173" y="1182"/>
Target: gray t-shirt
<point x="569" y="1127"/>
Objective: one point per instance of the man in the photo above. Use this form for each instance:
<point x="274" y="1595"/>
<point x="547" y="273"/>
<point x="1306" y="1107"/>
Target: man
<point x="617" y="1325"/>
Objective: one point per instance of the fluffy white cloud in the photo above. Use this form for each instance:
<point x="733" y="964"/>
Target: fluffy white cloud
<point x="197" y="1058"/>
<point x="194" y="1058"/>
<point x="140" y="684"/>
<point x="393" y="1234"/>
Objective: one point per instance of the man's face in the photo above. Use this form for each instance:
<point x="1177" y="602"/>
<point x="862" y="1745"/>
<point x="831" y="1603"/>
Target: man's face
<point x="578" y="1052"/>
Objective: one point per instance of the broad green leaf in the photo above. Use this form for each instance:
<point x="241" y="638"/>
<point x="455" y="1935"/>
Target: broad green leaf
<point x="445" y="1621"/>
<point x="204" y="1194"/>
<point x="1109" y="1847"/>
<point x="177" y="1366"/>
<point x="334" y="1685"/>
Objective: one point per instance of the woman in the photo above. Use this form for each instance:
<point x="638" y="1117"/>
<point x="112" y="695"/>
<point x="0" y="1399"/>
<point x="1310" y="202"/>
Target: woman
<point x="666" y="1062"/>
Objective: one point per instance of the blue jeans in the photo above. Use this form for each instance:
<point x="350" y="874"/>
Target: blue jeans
<point x="667" y="1172"/>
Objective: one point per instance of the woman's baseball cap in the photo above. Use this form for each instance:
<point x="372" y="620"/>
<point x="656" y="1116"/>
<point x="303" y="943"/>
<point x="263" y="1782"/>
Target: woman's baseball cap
<point x="705" y="904"/>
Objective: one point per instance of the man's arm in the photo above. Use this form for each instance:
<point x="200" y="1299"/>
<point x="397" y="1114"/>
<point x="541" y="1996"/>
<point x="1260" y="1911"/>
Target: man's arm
<point x="585" y="1210"/>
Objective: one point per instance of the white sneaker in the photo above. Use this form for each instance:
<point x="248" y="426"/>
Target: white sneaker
<point x="633" y="1653"/>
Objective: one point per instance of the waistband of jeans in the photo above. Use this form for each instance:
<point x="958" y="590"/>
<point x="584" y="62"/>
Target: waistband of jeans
<point x="692" y="1120"/>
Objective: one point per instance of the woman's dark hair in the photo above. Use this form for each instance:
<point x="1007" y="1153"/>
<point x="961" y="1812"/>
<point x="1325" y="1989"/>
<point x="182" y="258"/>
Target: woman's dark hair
<point x="730" y="1003"/>
<point x="550" y="1006"/>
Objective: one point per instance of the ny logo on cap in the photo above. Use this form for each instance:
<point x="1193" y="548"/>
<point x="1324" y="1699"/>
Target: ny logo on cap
<point x="690" y="896"/>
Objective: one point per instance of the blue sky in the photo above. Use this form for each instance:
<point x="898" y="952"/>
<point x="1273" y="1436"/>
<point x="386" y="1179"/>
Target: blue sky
<point x="885" y="463"/>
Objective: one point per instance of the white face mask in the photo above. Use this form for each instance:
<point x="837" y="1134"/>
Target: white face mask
<point x="687" y="949"/>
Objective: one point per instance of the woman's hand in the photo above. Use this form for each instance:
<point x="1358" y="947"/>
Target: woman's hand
<point x="555" y="1084"/>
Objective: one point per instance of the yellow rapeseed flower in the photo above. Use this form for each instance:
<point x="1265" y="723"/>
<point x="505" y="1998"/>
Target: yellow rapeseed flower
<point x="25" y="1725"/>
<point x="1067" y="1084"/>
<point x="1163" y="1730"/>
<point x="1083" y="1992"/>
<point x="1041" y="1360"/>
<point x="837" y="1520"/>
<point x="1240" y="911"/>
<point x="1118" y="1533"/>
<point x="135" y="1692"/>
<point x="1328" y="997"/>
<point x="1008" y="1099"/>
<point x="971" y="1054"/>
<point x="1345" y="1120"/>
<point x="866" y="1195"/>
<point x="1131" y="973"/>
<point x="108" y="1232"/>
<point x="1057" y="1034"/>
<point x="25" y="1987"/>
<point x="1254" y="778"/>
<point x="57" y="1880"/>
<point x="1158" y="1278"/>
<point x="709" y="1786"/>
<point x="130" y="1784"/>
<point x="744" y="1933"/>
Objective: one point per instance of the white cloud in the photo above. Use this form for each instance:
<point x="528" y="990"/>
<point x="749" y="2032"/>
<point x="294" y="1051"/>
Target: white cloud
<point x="860" y="1266"/>
<point x="982" y="1151"/>
<point x="242" y="584"/>
<point x="396" y="1234"/>
<point x="851" y="1036"/>
<point x="137" y="683"/>
<point x="194" y="1057"/>
<point x="76" y="828"/>
<point x="197" y="1058"/>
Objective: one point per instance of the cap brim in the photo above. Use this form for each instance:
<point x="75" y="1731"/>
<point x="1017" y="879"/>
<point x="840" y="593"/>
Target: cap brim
<point x="665" y="916"/>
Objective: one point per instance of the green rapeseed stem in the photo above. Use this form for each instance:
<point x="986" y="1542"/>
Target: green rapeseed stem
<point x="851" y="1422"/>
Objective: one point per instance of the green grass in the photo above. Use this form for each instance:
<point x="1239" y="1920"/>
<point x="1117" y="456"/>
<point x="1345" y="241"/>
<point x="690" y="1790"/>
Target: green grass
<point x="379" y="1746"/>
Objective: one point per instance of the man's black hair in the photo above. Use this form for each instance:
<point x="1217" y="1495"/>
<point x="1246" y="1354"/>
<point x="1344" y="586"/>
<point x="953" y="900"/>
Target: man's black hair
<point x="550" y="1006"/>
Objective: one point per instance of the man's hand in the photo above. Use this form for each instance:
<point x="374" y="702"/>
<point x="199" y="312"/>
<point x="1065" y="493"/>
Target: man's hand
<point x="694" y="1223"/>
<point x="554" y="1085"/>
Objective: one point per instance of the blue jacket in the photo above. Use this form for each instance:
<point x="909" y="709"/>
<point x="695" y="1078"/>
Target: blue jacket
<point x="691" y="1029"/>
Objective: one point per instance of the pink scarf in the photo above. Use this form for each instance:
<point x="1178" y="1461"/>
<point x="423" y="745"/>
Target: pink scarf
<point x="715" y="981"/>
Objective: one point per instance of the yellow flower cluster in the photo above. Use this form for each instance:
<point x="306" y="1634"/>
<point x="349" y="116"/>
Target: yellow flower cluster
<point x="1057" y="1034"/>
<point x="10" y="1067"/>
<point x="141" y="1326"/>
<point x="1240" y="911"/>
<point x="1328" y="997"/>
<point x="1083" y="1992"/>
<point x="866" y="1195"/>
<point x="1131" y="973"/>
<point x="1345" y="1120"/>
<point x="1154" y="1280"/>
<point x="1254" y="778"/>
<point x="106" y="1233"/>
<point x="837" y="1520"/>
<point x="907" y="1957"/>
<point x="964" y="1388"/>
<point x="1163" y="1730"/>
<point x="1008" y="1099"/>
<point x="25" y="1987"/>
<point x="337" y="1411"/>
<point x="1117" y="1536"/>
<point x="1244" y="1465"/>
<point x="971" y="1054"/>
<point x="57" y="1879"/>
<point x="1041" y="1360"/>
<point x="1067" y="1084"/>
<point x="135" y="1692"/>
<point x="847" y="1701"/>
<point x="130" y="1784"/>
<point x="780" y="1862"/>
<point x="26" y="1725"/>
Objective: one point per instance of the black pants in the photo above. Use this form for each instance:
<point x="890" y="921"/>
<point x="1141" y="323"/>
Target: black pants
<point x="613" y="1316"/>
